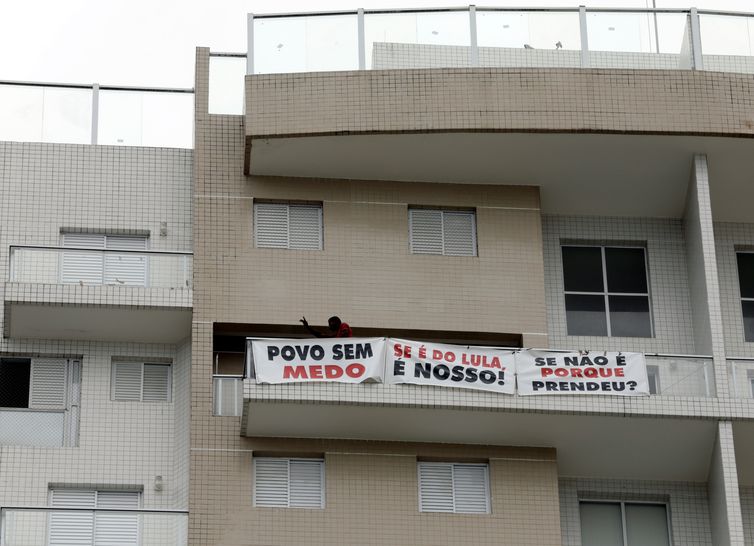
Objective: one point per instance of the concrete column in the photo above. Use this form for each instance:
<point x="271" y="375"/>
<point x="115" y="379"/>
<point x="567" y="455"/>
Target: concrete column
<point x="702" y="271"/>
<point x="722" y="489"/>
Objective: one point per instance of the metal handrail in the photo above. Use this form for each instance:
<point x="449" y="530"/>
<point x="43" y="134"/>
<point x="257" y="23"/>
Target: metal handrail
<point x="278" y="15"/>
<point x="99" y="250"/>
<point x="101" y="87"/>
<point x="72" y="509"/>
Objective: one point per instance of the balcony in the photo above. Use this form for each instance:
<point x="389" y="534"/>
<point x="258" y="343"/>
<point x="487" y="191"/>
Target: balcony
<point x="70" y="293"/>
<point x="22" y="526"/>
<point x="682" y="386"/>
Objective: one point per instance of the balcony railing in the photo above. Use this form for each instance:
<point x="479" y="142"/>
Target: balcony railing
<point x="80" y="266"/>
<point x="22" y="526"/>
<point x="668" y="374"/>
<point x="94" y="114"/>
<point x="741" y="377"/>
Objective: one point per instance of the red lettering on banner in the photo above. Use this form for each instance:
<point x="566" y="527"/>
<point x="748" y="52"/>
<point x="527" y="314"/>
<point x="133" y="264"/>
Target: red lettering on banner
<point x="591" y="373"/>
<point x="355" y="370"/>
<point x="294" y="372"/>
<point x="318" y="371"/>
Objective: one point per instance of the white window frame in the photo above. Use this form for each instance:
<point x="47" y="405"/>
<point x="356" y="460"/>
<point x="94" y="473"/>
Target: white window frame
<point x="169" y="365"/>
<point x="605" y="291"/>
<point x="443" y="214"/>
<point x="288" y="207"/>
<point x="623" y="504"/>
<point x="743" y="299"/>
<point x="94" y="513"/>
<point x="453" y="466"/>
<point x="321" y="462"/>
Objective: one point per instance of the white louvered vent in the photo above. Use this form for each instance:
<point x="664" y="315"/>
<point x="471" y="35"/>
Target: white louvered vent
<point x="127" y="381"/>
<point x="137" y="381"/>
<point x="48" y="383"/>
<point x="442" y="232"/>
<point x="296" y="227"/>
<point x="451" y="487"/>
<point x="289" y="483"/>
<point x="156" y="383"/>
<point x="82" y="267"/>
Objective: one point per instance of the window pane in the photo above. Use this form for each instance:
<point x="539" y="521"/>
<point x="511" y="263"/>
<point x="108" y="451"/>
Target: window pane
<point x="626" y="270"/>
<point x="746" y="273"/>
<point x="601" y="524"/>
<point x="647" y="525"/>
<point x="582" y="269"/>
<point x="585" y="315"/>
<point x="14" y="382"/>
<point x="748" y="311"/>
<point x="629" y="316"/>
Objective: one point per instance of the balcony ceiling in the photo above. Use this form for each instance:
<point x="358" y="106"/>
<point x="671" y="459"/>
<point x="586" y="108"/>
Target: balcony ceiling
<point x="630" y="448"/>
<point x="591" y="174"/>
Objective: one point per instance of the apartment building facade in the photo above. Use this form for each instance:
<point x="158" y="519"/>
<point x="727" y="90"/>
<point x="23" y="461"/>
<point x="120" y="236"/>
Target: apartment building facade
<point x="566" y="180"/>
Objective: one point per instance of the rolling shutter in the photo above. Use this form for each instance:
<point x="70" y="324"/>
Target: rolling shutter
<point x="271" y="482"/>
<point x="470" y="492"/>
<point x="156" y="383"/>
<point x="271" y="225"/>
<point x="459" y="233"/>
<point x="127" y="381"/>
<point x="48" y="383"/>
<point x="125" y="269"/>
<point x="426" y="231"/>
<point x="457" y="488"/>
<point x="305" y="227"/>
<point x="435" y="487"/>
<point x="306" y="487"/>
<point x="113" y="529"/>
<point x="296" y="227"/>
<point x="289" y="483"/>
<point x="82" y="267"/>
<point x="69" y="528"/>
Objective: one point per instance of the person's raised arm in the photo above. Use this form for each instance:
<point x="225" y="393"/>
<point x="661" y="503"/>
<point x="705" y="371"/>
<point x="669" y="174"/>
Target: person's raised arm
<point x="312" y="331"/>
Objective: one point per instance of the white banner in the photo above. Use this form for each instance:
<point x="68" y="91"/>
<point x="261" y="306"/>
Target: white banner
<point x="479" y="368"/>
<point x="341" y="360"/>
<point x="608" y="373"/>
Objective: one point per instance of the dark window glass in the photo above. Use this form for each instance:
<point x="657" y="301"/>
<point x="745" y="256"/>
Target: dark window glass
<point x="585" y="315"/>
<point x="582" y="269"/>
<point x="14" y="382"/>
<point x="748" y="311"/>
<point x="626" y="271"/>
<point x="629" y="316"/>
<point x="746" y="274"/>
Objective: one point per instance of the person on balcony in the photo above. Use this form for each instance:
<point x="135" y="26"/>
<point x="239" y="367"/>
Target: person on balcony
<point x="337" y="328"/>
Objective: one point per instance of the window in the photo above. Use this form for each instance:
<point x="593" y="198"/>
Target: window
<point x="444" y="232"/>
<point x="141" y="382"/>
<point x="295" y="227"/>
<point x="289" y="483"/>
<point x="85" y="528"/>
<point x="48" y="386"/>
<point x="624" y="524"/>
<point x="606" y="291"/>
<point x="454" y="487"/>
<point x="228" y="366"/>
<point x="746" y="283"/>
<point x="101" y="267"/>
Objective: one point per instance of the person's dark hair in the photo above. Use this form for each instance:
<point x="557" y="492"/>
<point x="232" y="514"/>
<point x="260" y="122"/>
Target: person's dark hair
<point x="334" y="323"/>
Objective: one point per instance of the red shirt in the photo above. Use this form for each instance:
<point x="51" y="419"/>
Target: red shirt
<point x="344" y="330"/>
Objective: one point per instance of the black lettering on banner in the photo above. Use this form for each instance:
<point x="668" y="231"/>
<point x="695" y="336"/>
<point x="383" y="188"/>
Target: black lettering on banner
<point x="422" y="370"/>
<point x="457" y="374"/>
<point x="471" y="375"/>
<point x="398" y="367"/>
<point x="272" y="352"/>
<point x="364" y="350"/>
<point x="441" y="372"/>
<point x="487" y="377"/>
<point x="337" y="352"/>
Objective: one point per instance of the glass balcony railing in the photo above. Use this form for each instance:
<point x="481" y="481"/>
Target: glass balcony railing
<point x="41" y="526"/>
<point x="58" y="265"/>
<point x="680" y="375"/>
<point x="90" y="114"/>
<point x="741" y="377"/>
<point x="575" y="37"/>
